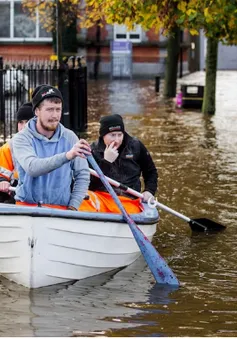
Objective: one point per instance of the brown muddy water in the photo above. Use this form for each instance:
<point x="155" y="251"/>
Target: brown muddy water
<point x="196" y="158"/>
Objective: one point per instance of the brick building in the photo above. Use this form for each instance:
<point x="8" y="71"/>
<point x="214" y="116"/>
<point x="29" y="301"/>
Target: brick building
<point x="20" y="37"/>
<point x="23" y="39"/>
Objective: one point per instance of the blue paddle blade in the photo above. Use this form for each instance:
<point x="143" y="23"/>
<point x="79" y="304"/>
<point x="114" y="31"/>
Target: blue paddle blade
<point x="159" y="268"/>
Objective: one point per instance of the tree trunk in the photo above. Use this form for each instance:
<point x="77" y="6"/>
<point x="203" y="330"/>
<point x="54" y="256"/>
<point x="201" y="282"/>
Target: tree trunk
<point x="59" y="32"/>
<point x="97" y="49"/>
<point x="209" y="100"/>
<point x="173" y="49"/>
<point x="69" y="38"/>
<point x="181" y="54"/>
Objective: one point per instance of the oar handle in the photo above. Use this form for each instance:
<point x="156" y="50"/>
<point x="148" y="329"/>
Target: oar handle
<point x="194" y="224"/>
<point x="119" y="185"/>
<point x="168" y="209"/>
<point x="139" y="195"/>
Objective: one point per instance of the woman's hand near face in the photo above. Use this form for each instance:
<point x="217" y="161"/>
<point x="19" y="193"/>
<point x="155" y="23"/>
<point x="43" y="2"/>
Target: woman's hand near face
<point x="111" y="152"/>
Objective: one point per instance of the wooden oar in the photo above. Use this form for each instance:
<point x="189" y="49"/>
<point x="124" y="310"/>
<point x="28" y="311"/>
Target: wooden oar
<point x="198" y="225"/>
<point x="159" y="268"/>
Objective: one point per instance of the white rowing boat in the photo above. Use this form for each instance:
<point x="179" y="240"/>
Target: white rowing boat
<point x="44" y="246"/>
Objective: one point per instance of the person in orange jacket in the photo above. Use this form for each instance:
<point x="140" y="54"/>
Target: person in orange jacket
<point x="8" y="175"/>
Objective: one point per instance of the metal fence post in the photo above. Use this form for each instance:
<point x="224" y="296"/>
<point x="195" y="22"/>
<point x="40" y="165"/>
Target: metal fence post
<point x="157" y="84"/>
<point x="63" y="87"/>
<point x="78" y="95"/>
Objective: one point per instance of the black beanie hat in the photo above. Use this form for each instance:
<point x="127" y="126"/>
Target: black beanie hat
<point x="110" y="124"/>
<point x="44" y="92"/>
<point x="36" y="90"/>
<point x="25" y="112"/>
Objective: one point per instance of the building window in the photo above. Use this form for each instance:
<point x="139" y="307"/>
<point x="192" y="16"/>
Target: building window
<point x="4" y="20"/>
<point x="122" y="33"/>
<point x="15" y="25"/>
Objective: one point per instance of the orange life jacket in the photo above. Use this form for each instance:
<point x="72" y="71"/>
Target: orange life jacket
<point x="99" y="202"/>
<point x="103" y="202"/>
<point x="7" y="166"/>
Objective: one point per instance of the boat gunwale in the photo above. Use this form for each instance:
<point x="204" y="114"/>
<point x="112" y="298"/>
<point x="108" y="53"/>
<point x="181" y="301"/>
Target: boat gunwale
<point x="41" y="212"/>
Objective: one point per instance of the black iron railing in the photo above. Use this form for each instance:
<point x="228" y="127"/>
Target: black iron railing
<point x="17" y="82"/>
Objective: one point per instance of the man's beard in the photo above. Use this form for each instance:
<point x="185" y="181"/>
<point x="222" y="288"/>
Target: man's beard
<point x="50" y="128"/>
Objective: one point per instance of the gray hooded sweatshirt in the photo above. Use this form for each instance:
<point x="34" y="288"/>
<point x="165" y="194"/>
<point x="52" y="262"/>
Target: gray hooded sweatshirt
<point x="45" y="174"/>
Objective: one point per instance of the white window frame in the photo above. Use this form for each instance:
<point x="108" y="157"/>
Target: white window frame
<point x="37" y="23"/>
<point x="122" y="29"/>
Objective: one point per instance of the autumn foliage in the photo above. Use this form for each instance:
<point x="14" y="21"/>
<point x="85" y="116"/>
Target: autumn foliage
<point x="218" y="18"/>
<point x="47" y="11"/>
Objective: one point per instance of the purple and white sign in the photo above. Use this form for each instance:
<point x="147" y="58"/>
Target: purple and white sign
<point x="121" y="47"/>
<point x="121" y="59"/>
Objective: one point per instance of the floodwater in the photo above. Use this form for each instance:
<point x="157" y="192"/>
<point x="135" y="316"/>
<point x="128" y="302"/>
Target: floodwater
<point x="196" y="158"/>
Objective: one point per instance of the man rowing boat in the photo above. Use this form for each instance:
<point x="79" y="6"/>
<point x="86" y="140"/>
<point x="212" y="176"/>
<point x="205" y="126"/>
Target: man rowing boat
<point x="48" y="156"/>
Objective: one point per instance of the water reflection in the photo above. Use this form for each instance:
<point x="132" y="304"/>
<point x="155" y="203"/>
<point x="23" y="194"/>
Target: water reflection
<point x="87" y="307"/>
<point x="158" y="299"/>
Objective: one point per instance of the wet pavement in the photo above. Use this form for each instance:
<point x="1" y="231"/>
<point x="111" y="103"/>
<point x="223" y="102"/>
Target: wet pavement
<point x="196" y="158"/>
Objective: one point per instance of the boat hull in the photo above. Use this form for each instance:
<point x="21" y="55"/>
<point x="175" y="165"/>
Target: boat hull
<point x="41" y="247"/>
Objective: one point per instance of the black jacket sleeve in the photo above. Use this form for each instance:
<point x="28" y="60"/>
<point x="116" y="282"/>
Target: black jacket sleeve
<point x="104" y="165"/>
<point x="148" y="169"/>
